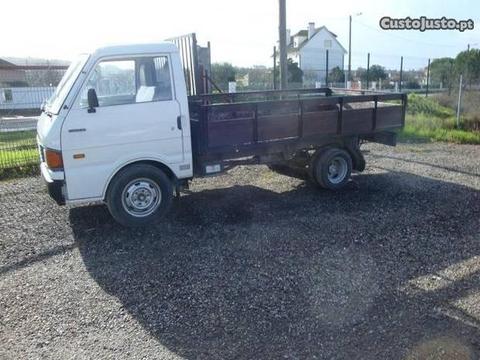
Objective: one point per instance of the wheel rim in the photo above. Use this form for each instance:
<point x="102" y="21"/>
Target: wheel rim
<point x="337" y="170"/>
<point x="141" y="197"/>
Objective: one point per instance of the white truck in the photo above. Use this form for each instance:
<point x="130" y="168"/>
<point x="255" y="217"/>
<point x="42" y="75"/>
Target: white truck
<point x="121" y="129"/>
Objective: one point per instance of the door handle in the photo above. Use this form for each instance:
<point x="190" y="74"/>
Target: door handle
<point x="77" y="130"/>
<point x="179" y="122"/>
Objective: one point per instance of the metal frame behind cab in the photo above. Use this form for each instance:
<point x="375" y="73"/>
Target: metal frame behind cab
<point x="188" y="50"/>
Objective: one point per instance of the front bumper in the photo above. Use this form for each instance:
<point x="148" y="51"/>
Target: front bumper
<point x="55" y="191"/>
<point x="54" y="187"/>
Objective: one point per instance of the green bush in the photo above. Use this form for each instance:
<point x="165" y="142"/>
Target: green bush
<point x="427" y="119"/>
<point x="470" y="111"/>
<point x="418" y="104"/>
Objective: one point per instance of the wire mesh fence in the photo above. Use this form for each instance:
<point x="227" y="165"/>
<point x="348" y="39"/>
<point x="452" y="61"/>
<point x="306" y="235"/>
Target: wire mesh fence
<point x="24" y="88"/>
<point x="369" y="71"/>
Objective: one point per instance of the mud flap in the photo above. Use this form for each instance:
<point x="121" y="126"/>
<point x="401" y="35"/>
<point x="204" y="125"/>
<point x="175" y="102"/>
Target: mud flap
<point x="353" y="147"/>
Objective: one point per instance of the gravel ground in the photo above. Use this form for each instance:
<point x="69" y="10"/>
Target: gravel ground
<point x="253" y="264"/>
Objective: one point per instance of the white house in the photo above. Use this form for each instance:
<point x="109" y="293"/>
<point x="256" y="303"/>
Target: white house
<point x="309" y="47"/>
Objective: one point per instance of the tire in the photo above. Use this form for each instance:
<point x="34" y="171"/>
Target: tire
<point x="138" y="194"/>
<point x="331" y="168"/>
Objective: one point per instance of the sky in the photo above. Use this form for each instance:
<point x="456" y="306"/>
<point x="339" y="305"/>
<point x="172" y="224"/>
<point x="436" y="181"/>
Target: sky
<point x="241" y="32"/>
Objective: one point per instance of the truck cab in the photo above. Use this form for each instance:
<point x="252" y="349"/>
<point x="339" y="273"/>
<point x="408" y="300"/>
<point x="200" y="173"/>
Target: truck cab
<point x="115" y="108"/>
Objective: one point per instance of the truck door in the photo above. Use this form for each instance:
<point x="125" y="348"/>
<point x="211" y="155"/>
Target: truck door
<point x="137" y="118"/>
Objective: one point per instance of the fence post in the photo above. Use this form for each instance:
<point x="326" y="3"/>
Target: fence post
<point x="326" y="69"/>
<point x="459" y="104"/>
<point x="428" y="76"/>
<point x="274" y="68"/>
<point x="401" y="72"/>
<point x="368" y="69"/>
<point x="450" y="82"/>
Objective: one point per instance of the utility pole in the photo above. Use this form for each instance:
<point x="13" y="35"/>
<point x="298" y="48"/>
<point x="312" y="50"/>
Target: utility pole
<point x="349" y="48"/>
<point x="350" y="45"/>
<point x="459" y="103"/>
<point x="368" y="70"/>
<point x="274" y="68"/>
<point x="401" y="72"/>
<point x="282" y="32"/>
<point x="428" y="77"/>
<point x="326" y="69"/>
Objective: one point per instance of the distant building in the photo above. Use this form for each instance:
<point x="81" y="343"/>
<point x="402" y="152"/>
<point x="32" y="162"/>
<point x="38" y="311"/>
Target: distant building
<point x="15" y="72"/>
<point x="25" y="83"/>
<point x="308" y="48"/>
<point x="11" y="75"/>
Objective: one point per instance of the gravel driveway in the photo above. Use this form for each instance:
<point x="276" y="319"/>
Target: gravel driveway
<point x="253" y="264"/>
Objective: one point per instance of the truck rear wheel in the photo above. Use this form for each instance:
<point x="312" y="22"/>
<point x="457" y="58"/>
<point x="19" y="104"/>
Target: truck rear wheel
<point x="331" y="169"/>
<point x="138" y="194"/>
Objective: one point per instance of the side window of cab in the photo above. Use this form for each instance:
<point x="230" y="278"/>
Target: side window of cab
<point x="129" y="81"/>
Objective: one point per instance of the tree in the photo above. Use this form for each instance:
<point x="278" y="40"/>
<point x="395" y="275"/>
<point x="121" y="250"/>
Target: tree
<point x="336" y="75"/>
<point x="412" y="84"/>
<point x="468" y="64"/>
<point x="375" y="73"/>
<point x="295" y="74"/>
<point x="359" y="74"/>
<point x="410" y="79"/>
<point x="441" y="71"/>
<point x="222" y="74"/>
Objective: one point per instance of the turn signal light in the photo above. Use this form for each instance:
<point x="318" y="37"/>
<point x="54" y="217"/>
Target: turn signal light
<point x="54" y="159"/>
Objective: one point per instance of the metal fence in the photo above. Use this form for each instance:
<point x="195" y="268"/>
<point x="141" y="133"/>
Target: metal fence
<point x="368" y="71"/>
<point x="23" y="90"/>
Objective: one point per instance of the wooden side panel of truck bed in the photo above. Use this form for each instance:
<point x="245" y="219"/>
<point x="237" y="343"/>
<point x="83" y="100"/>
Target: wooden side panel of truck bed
<point x="247" y="127"/>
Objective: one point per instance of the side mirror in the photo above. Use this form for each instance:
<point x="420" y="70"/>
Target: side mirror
<point x="92" y="100"/>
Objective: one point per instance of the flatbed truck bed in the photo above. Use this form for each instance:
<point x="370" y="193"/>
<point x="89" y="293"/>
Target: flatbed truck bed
<point x="272" y="126"/>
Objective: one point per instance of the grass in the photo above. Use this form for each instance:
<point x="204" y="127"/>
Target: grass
<point x="18" y="154"/>
<point x="428" y="119"/>
<point x="19" y="171"/>
<point x="7" y="138"/>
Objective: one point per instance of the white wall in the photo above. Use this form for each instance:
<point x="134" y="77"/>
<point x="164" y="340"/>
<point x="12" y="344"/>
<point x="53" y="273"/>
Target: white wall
<point x="12" y="75"/>
<point x="313" y="55"/>
<point x="24" y="97"/>
<point x="297" y="40"/>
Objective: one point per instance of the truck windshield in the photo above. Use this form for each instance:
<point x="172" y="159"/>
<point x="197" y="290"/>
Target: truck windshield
<point x="56" y="100"/>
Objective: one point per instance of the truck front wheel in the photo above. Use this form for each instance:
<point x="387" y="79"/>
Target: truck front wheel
<point x="138" y="194"/>
<point x="331" y="168"/>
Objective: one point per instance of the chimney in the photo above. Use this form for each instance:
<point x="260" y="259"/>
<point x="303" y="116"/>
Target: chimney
<point x="311" y="29"/>
<point x="289" y="37"/>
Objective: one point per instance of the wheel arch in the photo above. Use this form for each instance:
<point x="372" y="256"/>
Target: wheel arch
<point x="156" y="163"/>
